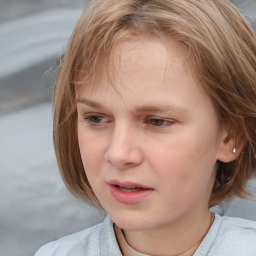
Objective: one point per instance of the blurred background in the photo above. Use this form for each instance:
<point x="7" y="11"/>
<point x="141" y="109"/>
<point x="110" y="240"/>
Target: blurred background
<point x="35" y="206"/>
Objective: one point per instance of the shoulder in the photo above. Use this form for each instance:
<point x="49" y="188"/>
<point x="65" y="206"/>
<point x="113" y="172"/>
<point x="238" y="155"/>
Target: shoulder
<point x="78" y="244"/>
<point x="235" y="237"/>
<point x="239" y="228"/>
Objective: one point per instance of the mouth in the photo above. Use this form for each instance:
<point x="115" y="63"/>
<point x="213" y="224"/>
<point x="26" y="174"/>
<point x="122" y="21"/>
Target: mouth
<point x="128" y="192"/>
<point x="127" y="186"/>
<point x="129" y="189"/>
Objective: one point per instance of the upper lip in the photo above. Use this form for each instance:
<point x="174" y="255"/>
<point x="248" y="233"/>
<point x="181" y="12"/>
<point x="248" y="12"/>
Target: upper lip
<point x="126" y="184"/>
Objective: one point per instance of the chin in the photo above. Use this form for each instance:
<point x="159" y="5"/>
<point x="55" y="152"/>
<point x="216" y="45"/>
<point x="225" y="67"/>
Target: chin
<point x="132" y="221"/>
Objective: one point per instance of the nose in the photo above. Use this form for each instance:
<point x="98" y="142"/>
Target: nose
<point x="124" y="149"/>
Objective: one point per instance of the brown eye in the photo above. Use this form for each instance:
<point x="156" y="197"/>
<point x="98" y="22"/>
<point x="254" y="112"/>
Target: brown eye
<point x="94" y="119"/>
<point x="159" y="122"/>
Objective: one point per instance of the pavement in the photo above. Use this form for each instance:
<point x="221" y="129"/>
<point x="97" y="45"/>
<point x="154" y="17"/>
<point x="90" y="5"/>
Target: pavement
<point x="30" y="50"/>
<point x="35" y="205"/>
<point x="16" y="9"/>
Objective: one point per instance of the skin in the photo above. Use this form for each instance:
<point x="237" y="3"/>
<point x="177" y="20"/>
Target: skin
<point x="156" y="128"/>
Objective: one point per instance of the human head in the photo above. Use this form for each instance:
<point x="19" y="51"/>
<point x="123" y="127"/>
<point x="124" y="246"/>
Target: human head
<point x="222" y="52"/>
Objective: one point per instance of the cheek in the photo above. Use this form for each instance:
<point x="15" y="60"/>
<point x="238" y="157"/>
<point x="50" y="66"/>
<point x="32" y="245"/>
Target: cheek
<point x="92" y="166"/>
<point x="185" y="163"/>
<point x="90" y="151"/>
<point x="169" y="164"/>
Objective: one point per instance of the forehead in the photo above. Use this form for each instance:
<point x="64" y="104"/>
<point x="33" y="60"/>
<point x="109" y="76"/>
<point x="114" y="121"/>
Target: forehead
<point x="143" y="56"/>
<point x="139" y="48"/>
<point x="139" y="57"/>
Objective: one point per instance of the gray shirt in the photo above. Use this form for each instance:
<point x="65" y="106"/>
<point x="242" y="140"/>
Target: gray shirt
<point x="226" y="237"/>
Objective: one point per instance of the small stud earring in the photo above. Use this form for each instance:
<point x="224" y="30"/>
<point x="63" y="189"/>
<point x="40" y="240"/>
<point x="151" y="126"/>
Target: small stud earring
<point x="234" y="150"/>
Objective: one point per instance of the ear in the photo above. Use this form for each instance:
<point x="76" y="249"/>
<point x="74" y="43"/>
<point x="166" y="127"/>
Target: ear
<point x="230" y="140"/>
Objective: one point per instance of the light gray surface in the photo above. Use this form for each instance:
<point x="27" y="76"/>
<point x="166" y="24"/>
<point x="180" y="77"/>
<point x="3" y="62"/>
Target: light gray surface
<point x="40" y="37"/>
<point x="35" y="205"/>
<point x="248" y="8"/>
<point x="15" y="9"/>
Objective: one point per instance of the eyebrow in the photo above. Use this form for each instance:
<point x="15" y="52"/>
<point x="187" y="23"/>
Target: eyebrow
<point x="159" y="108"/>
<point x="90" y="103"/>
<point x="139" y="109"/>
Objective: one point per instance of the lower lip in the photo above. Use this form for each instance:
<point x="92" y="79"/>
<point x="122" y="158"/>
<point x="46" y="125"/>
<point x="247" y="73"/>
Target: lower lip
<point x="129" y="197"/>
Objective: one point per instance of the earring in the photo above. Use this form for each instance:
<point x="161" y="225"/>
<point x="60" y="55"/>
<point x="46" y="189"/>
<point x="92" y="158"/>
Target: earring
<point x="234" y="150"/>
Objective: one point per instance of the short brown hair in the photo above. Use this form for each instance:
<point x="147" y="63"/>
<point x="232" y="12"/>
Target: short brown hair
<point x="222" y="51"/>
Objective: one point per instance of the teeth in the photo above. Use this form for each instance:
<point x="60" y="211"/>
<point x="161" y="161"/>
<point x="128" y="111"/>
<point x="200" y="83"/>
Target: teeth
<point x="130" y="189"/>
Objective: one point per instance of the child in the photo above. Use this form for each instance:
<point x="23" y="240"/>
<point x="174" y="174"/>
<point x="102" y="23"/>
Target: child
<point x="154" y="121"/>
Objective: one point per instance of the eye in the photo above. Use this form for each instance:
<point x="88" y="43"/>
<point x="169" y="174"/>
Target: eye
<point x="159" y="122"/>
<point x="96" y="119"/>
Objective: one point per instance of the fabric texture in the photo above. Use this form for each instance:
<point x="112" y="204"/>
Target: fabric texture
<point x="226" y="237"/>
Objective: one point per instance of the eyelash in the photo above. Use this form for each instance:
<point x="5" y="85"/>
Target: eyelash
<point x="93" y="119"/>
<point x="96" y="120"/>
<point x="162" y="121"/>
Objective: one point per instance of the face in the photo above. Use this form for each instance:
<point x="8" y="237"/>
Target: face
<point x="149" y="147"/>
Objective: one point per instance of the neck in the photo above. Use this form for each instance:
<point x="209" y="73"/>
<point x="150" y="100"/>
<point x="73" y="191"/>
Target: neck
<point x="179" y="239"/>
